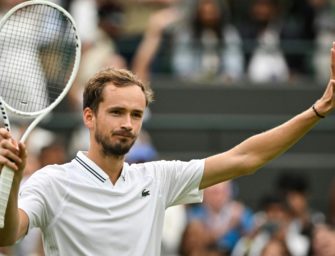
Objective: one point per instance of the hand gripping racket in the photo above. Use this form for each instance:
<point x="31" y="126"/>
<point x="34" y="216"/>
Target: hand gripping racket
<point x="39" y="59"/>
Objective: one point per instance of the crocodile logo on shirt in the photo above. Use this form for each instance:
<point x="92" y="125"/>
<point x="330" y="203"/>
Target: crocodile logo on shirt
<point x="145" y="192"/>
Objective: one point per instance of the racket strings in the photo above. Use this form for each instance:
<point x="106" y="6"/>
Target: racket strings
<point x="37" y="45"/>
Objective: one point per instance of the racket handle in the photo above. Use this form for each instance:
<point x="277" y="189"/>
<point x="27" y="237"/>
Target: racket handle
<point x="6" y="180"/>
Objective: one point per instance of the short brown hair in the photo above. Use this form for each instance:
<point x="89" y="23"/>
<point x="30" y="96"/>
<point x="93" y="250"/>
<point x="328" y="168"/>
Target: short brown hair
<point x="92" y="95"/>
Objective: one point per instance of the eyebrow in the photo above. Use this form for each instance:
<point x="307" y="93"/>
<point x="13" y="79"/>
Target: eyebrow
<point x="123" y="108"/>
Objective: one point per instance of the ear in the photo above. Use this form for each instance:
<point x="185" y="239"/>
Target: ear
<point x="88" y="117"/>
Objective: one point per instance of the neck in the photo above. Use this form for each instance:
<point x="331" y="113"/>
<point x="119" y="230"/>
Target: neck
<point x="112" y="165"/>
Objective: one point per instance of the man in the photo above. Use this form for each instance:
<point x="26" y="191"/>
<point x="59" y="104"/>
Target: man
<point x="99" y="205"/>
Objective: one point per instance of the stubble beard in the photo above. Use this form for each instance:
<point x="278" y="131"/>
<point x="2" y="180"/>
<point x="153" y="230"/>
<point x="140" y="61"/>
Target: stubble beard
<point x="118" y="149"/>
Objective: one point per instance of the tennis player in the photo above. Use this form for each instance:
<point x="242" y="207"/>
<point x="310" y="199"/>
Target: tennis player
<point x="97" y="204"/>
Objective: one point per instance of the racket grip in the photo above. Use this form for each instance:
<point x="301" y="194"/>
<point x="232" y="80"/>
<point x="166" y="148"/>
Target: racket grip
<point x="6" y="180"/>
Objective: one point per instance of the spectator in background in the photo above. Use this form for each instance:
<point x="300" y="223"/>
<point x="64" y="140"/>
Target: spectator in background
<point x="297" y="37"/>
<point x="136" y="17"/>
<point x="207" y="45"/>
<point x="261" y="33"/>
<point x="270" y="223"/>
<point x="324" y="25"/>
<point x="151" y="43"/>
<point x="295" y="189"/>
<point x="85" y="13"/>
<point x="274" y="228"/>
<point x="195" y="241"/>
<point x="100" y="50"/>
<point x="225" y="219"/>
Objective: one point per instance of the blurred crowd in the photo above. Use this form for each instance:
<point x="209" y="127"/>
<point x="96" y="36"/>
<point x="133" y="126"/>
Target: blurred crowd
<point x="259" y="41"/>
<point x="272" y="42"/>
<point x="284" y="223"/>
<point x="262" y="41"/>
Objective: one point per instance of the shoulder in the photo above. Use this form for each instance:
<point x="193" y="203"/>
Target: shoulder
<point x="165" y="164"/>
<point x="164" y="168"/>
<point x="49" y="173"/>
<point x="149" y="167"/>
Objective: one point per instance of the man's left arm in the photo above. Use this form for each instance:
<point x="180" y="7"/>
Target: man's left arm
<point x="256" y="151"/>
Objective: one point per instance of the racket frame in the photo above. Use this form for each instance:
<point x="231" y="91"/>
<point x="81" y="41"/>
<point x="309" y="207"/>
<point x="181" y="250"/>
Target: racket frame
<point x="7" y="175"/>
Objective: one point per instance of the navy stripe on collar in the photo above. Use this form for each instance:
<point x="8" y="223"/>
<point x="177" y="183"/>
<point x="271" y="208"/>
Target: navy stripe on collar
<point x="90" y="169"/>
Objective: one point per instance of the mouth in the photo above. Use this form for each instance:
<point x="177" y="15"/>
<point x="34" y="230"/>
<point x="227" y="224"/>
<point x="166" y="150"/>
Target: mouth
<point x="124" y="135"/>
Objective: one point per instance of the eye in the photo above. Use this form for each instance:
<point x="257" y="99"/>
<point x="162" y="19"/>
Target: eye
<point x="116" y="112"/>
<point x="137" y="115"/>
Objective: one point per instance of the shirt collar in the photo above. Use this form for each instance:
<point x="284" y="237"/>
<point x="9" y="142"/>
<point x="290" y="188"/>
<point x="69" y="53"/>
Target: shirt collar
<point x="90" y="166"/>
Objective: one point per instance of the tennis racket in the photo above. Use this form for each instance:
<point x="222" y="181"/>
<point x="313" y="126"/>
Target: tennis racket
<point x="39" y="59"/>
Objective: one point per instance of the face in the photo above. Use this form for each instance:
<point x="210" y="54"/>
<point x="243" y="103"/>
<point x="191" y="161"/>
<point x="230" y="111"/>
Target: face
<point x="209" y="13"/>
<point x="118" y="121"/>
<point x="297" y="202"/>
<point x="263" y="11"/>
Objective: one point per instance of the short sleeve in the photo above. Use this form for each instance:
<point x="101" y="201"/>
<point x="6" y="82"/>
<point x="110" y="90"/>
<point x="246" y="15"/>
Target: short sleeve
<point x="180" y="181"/>
<point x="35" y="197"/>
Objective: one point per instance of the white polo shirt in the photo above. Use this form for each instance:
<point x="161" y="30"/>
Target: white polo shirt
<point x="80" y="211"/>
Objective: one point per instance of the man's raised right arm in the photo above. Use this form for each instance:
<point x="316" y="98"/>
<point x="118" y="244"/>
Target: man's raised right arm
<point x="13" y="155"/>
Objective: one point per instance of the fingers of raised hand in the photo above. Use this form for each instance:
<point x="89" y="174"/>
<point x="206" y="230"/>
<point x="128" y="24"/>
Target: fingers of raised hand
<point x="332" y="65"/>
<point x="22" y="153"/>
<point x="9" y="155"/>
<point x="332" y="92"/>
<point x="4" y="134"/>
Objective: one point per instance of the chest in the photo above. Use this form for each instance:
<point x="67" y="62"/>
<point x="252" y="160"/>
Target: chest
<point x="96" y="212"/>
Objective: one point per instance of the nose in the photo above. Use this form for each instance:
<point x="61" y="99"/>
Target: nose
<point x="127" y="123"/>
